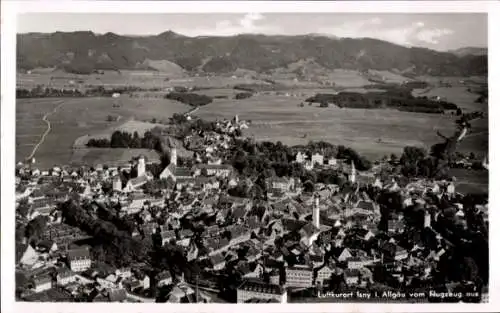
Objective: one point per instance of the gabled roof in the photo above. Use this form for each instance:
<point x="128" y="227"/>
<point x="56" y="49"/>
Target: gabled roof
<point x="354" y="272"/>
<point x="217" y="259"/>
<point x="138" y="181"/>
<point x="78" y="254"/>
<point x="309" y="229"/>
<point x="116" y="295"/>
<point x="182" y="171"/>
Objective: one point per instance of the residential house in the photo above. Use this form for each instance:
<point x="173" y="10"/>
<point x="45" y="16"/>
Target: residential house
<point x="135" y="183"/>
<point x="317" y="159"/>
<point x="344" y="255"/>
<point x="255" y="289"/>
<point x="323" y="274"/>
<point x="164" y="279"/>
<point x="359" y="262"/>
<point x="300" y="157"/>
<point x="395" y="226"/>
<point x="217" y="262"/>
<point x="166" y="236"/>
<point x="42" y="283"/>
<point x="65" y="276"/>
<point x="391" y="251"/>
<point x="280" y="184"/>
<point x="352" y="277"/>
<point x="309" y="233"/>
<point x="219" y="170"/>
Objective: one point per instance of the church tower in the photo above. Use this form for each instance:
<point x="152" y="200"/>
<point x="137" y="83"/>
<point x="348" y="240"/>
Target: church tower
<point x="173" y="156"/>
<point x="117" y="183"/>
<point x="352" y="176"/>
<point x="315" y="214"/>
<point x="141" y="167"/>
<point x="427" y="219"/>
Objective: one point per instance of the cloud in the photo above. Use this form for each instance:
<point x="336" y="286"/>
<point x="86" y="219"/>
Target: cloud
<point x="247" y="24"/>
<point x="408" y="35"/>
<point x="432" y="35"/>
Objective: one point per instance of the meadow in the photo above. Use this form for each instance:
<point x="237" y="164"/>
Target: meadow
<point x="113" y="79"/>
<point x="78" y="117"/>
<point x="458" y="95"/>
<point x="373" y="133"/>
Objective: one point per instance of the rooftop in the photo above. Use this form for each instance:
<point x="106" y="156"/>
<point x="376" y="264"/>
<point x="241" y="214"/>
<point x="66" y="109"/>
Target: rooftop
<point x="261" y="287"/>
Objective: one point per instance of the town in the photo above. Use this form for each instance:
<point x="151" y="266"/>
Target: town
<point x="246" y="222"/>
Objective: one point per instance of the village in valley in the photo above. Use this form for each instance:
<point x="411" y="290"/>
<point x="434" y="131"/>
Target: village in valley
<point x="302" y="167"/>
<point x="204" y="230"/>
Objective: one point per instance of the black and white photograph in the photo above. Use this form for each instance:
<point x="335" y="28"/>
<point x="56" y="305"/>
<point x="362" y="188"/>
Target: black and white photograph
<point x="272" y="157"/>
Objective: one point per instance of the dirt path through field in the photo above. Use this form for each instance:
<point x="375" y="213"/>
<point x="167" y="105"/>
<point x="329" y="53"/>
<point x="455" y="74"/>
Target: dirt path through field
<point x="49" y="128"/>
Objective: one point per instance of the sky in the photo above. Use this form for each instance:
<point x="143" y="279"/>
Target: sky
<point x="438" y="31"/>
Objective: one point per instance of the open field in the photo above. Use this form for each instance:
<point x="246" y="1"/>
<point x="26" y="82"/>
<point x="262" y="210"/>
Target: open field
<point x="458" y="95"/>
<point x="373" y="133"/>
<point x="110" y="79"/>
<point x="348" y="78"/>
<point x="75" y="118"/>
<point x="471" y="181"/>
<point x="389" y="77"/>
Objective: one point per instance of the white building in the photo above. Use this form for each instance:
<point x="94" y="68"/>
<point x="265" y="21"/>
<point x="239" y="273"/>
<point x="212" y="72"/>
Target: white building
<point x="324" y="274"/>
<point x="42" y="283"/>
<point x="317" y="159"/>
<point x="300" y="157"/>
<point x="65" y="277"/>
<point x="254" y="289"/>
<point x="79" y="259"/>
<point x="299" y="276"/>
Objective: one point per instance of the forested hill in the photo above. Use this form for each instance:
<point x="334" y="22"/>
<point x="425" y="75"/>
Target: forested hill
<point x="85" y="51"/>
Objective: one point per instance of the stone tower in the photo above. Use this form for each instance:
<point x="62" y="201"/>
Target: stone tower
<point x="315" y="214"/>
<point x="117" y="183"/>
<point x="173" y="156"/>
<point x="141" y="167"/>
<point x="352" y="176"/>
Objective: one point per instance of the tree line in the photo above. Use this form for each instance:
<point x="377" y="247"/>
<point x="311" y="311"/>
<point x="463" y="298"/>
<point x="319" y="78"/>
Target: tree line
<point x="123" y="139"/>
<point x="189" y="98"/>
<point x="399" y="98"/>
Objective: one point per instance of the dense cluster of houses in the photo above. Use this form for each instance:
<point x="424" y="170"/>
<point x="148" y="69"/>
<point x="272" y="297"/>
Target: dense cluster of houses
<point x="295" y="240"/>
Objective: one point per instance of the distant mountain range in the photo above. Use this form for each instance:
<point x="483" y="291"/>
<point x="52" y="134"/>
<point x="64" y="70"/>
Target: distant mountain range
<point x="477" y="51"/>
<point x="83" y="52"/>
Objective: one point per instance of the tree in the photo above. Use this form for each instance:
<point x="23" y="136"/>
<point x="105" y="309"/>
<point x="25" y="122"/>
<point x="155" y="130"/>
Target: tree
<point x="309" y="186"/>
<point x="36" y="227"/>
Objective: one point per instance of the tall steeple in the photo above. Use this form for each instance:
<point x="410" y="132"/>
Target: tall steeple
<point x="173" y="156"/>
<point x="141" y="167"/>
<point x="315" y="214"/>
<point x="352" y="176"/>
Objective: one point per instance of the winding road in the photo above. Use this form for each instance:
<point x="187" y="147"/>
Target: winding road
<point x="49" y="128"/>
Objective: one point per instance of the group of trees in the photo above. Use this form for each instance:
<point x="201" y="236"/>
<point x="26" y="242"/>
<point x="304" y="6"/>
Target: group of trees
<point x="117" y="247"/>
<point x="123" y="139"/>
<point x="267" y="159"/>
<point x="193" y="99"/>
<point x="40" y="92"/>
<point x="91" y="91"/>
<point x="399" y="98"/>
<point x="243" y="95"/>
